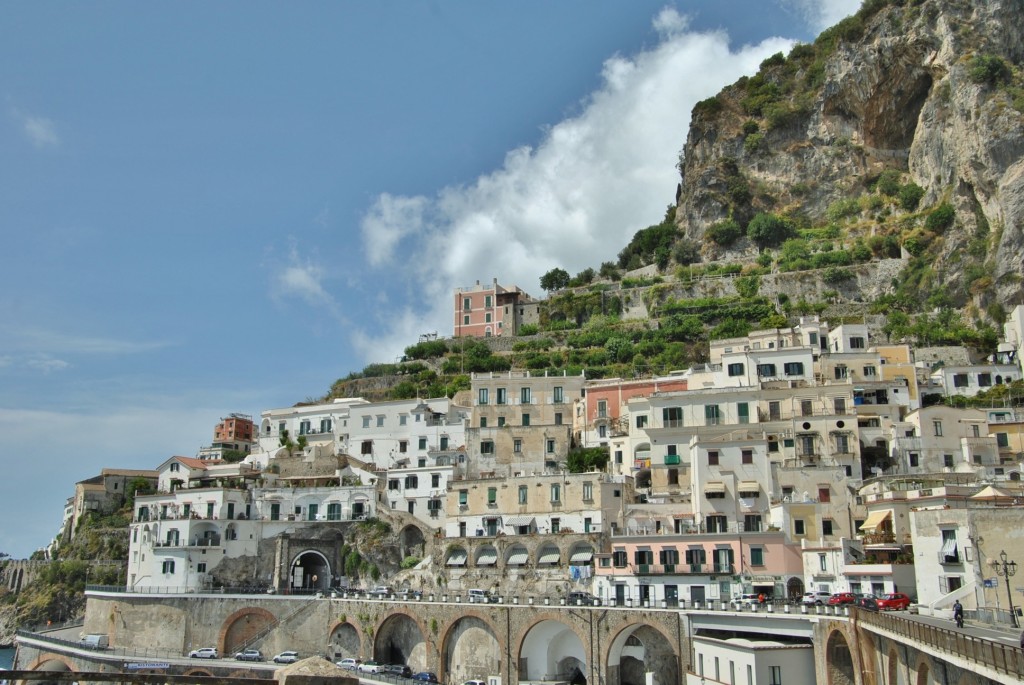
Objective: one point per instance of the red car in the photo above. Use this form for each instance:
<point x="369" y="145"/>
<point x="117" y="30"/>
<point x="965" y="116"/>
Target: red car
<point x="842" y="598"/>
<point x="894" y="601"/>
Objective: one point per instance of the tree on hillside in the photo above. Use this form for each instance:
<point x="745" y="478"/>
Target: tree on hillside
<point x="556" y="279"/>
<point x="768" y="230"/>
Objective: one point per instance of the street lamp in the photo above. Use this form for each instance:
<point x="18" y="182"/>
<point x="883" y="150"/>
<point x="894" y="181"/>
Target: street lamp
<point x="1006" y="569"/>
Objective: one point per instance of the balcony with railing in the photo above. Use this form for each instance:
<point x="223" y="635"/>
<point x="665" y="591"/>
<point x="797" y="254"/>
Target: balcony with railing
<point x="679" y="569"/>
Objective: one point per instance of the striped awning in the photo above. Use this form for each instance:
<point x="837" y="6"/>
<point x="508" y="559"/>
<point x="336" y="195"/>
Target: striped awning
<point x="519" y="520"/>
<point x="714" y="487"/>
<point x="581" y="557"/>
<point x="457" y="558"/>
<point x="749" y="486"/>
<point x="949" y="547"/>
<point x="488" y="557"/>
<point x="549" y="558"/>
<point x="874" y="520"/>
<point x="518" y="558"/>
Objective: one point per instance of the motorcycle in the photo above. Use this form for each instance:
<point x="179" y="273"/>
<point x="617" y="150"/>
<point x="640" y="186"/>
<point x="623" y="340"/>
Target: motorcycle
<point x="959" y="618"/>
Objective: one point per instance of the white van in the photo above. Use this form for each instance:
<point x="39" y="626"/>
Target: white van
<point x="94" y="641"/>
<point x="481" y="597"/>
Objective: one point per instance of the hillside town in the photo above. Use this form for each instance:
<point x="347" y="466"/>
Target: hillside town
<point x="797" y="462"/>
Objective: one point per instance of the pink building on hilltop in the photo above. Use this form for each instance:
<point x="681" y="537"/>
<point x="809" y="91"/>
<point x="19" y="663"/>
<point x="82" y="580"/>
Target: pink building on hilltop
<point x="491" y="310"/>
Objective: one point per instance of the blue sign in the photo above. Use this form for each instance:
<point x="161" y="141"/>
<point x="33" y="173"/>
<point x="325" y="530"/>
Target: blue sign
<point x="991" y="582"/>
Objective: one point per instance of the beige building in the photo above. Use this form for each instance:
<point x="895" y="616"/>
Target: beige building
<point x="536" y="503"/>
<point x="520" y="424"/>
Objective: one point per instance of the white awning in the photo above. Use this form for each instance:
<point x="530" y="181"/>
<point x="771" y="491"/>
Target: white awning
<point x="751" y="486"/>
<point x="715" y="487"/>
<point x="519" y="521"/>
<point x="874" y="520"/>
<point x="549" y="558"/>
<point x="457" y="558"/>
<point x="488" y="557"/>
<point x="581" y="557"/>
<point x="518" y="558"/>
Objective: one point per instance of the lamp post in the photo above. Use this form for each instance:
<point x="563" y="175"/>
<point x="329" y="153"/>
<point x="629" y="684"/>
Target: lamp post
<point x="1006" y="569"/>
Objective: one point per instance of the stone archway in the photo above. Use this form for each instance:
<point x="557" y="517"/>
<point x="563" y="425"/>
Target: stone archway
<point x="638" y="650"/>
<point x="924" y="675"/>
<point x="895" y="675"/>
<point x="310" y="571"/>
<point x="344" y="641"/>
<point x="550" y="645"/>
<point x="795" y="588"/>
<point x="839" y="660"/>
<point x="399" y="639"/>
<point x="52" y="663"/>
<point x="412" y="541"/>
<point x="241" y="626"/>
<point x="471" y="650"/>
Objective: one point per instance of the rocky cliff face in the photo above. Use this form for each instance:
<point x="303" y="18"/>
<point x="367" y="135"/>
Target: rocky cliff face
<point x="895" y="87"/>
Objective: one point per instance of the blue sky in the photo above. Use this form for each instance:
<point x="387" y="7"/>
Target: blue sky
<point x="210" y="208"/>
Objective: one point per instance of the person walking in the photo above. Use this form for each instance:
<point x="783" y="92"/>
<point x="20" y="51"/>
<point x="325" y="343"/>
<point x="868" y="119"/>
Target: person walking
<point x="958" y="614"/>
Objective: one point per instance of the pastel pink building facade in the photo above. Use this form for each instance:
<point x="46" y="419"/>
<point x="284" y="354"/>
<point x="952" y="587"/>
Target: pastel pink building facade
<point x="683" y="569"/>
<point x="604" y="409"/>
<point x="482" y="311"/>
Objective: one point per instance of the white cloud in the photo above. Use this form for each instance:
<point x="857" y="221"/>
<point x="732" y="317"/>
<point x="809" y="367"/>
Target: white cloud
<point x="575" y="199"/>
<point x="302" y="278"/>
<point x="46" y="341"/>
<point x="40" y="131"/>
<point x="821" y="14"/>
<point x="47" y="364"/>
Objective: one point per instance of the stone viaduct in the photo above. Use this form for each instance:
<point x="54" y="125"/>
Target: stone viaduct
<point x="518" y="643"/>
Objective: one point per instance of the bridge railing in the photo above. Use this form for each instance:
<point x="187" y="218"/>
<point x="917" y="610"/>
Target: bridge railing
<point x="989" y="653"/>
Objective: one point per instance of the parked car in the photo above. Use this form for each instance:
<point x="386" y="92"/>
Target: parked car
<point x="580" y="598"/>
<point x="481" y="597"/>
<point x="840" y="598"/>
<point x="249" y="655"/>
<point x="425" y="676"/>
<point x="474" y="682"/>
<point x="379" y="591"/>
<point x="747" y="599"/>
<point x="400" y="670"/>
<point x="204" y="653"/>
<point x="868" y="603"/>
<point x="811" y="598"/>
<point x="348" y="664"/>
<point x="286" y="658"/>
<point x="370" y="666"/>
<point x="894" y="601"/>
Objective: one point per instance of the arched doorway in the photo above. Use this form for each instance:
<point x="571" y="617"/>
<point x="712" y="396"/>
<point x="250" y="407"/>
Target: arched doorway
<point x="552" y="651"/>
<point x="637" y="651"/>
<point x="310" y="571"/>
<point x="795" y="589"/>
<point x="839" y="660"/>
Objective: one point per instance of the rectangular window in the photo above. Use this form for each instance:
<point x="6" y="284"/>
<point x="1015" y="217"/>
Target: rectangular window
<point x="487" y="300"/>
<point x="959" y="380"/>
<point x="487" y="447"/>
<point x="558" y="395"/>
<point x="822" y="562"/>
<point x="914" y="459"/>
<point x="856" y="342"/>
<point x="556" y="525"/>
<point x="937" y="428"/>
<point x="807" y="446"/>
<point x="1002" y="439"/>
<point x="826" y="527"/>
<point x="602" y="409"/>
<point x="743" y="412"/>
<point x="524" y="492"/>
<point x="502" y="396"/>
<point x="463" y="497"/>
<point x="366" y="447"/>
<point x="806" y="408"/>
<point x="550" y="445"/>
<point x="824" y="495"/>
<point x="712" y="415"/>
<point x="673" y="476"/>
<point x="483" y="422"/>
<point x="752" y="522"/>
<point x="556" y="492"/>
<point x="524" y="395"/>
<point x="757" y="556"/>
<point x="794" y="368"/>
<point x="492" y="496"/>
<point x="712" y="458"/>
<point x="775" y="675"/>
<point x="947" y="460"/>
<point x="798" y="527"/>
<point x="411" y="482"/>
<point x="403" y="446"/>
<point x="842" y="444"/>
<point x="501" y="421"/>
<point x="380" y="421"/>
<point x="435" y="480"/>
<point x="465" y="320"/>
<point x="774" y="410"/>
<point x="984" y="379"/>
<point x="517" y="445"/>
<point x="672" y="417"/>
<point x="394" y="484"/>
<point x="366" y="422"/>
<point x="869" y="372"/>
<point x="766" y="370"/>
<point x="839" y="404"/>
<point x="482" y="395"/>
<point x="641" y="421"/>
<point x="618" y="456"/>
<point x="747" y="456"/>
<point x="588" y="492"/>
<point x="735" y="369"/>
<point x="526" y="419"/>
<point x="487" y="317"/>
<point x="558" y="418"/>
<point x="466" y="306"/>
